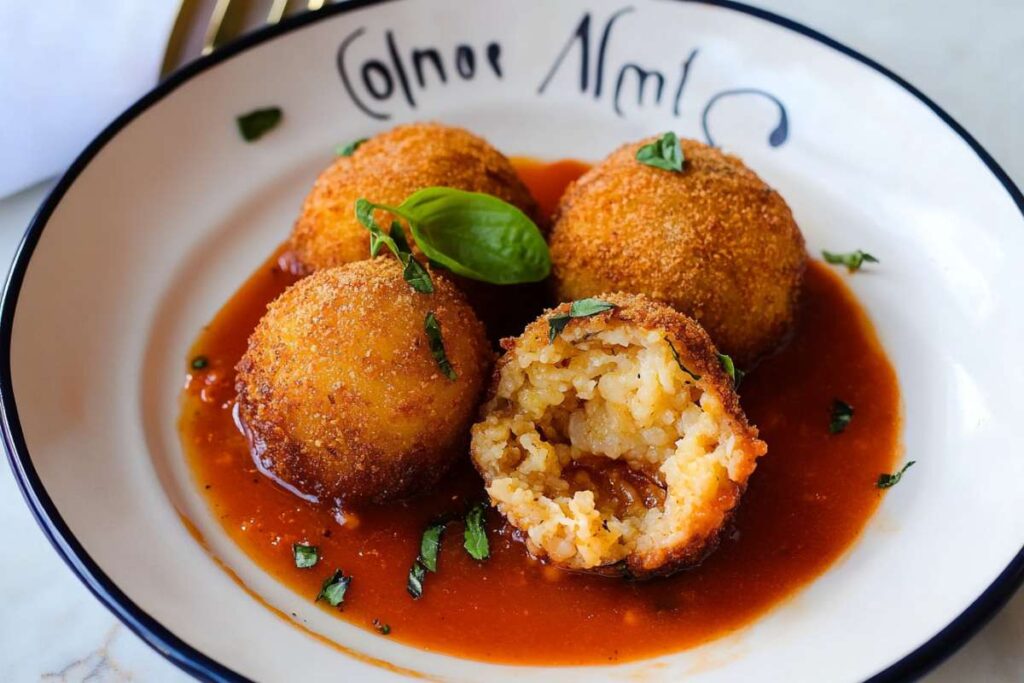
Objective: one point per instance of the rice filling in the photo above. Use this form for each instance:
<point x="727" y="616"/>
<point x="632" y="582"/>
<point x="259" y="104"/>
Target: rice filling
<point x="600" y="446"/>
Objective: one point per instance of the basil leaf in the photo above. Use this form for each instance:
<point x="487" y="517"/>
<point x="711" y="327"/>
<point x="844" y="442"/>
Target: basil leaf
<point x="398" y="237"/>
<point x="675" y="355"/>
<point x="665" y="153"/>
<point x="433" y="330"/>
<point x="887" y="480"/>
<point x="476" y="535"/>
<point x="381" y="627"/>
<point x="730" y="369"/>
<point x="842" y="413"/>
<point x="256" y="123"/>
<point x="413" y="271"/>
<point x="333" y="590"/>
<point x="414" y="584"/>
<point x="364" y="214"/>
<point x="430" y="545"/>
<point x="584" y="308"/>
<point x="853" y="260"/>
<point x="476" y="235"/>
<point x="199" y="362"/>
<point x="306" y="555"/>
<point x="349" y="148"/>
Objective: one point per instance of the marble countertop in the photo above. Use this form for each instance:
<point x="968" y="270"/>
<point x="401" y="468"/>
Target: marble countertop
<point x="969" y="57"/>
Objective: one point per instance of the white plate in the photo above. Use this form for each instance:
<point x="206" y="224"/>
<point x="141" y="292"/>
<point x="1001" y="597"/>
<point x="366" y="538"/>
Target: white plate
<point x="162" y="217"/>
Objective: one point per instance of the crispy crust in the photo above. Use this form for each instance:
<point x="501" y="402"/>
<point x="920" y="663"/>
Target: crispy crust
<point x="698" y="353"/>
<point x="338" y="390"/>
<point x="714" y="241"/>
<point x="386" y="169"/>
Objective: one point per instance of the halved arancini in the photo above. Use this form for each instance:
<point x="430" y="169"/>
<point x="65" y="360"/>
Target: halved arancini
<point x="619" y="447"/>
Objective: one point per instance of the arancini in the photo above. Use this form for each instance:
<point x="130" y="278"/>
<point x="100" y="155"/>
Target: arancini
<point x="614" y="441"/>
<point x="341" y="392"/>
<point x="713" y="241"/>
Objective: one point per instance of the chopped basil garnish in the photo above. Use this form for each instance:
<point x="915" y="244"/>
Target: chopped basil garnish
<point x="842" y="413"/>
<point x="381" y="627"/>
<point x="887" y="480"/>
<point x="199" y="362"/>
<point x="730" y="369"/>
<point x="414" y="584"/>
<point x="349" y="148"/>
<point x="472" y="234"/>
<point x="476" y="535"/>
<point x="853" y="260"/>
<point x="664" y="153"/>
<point x="433" y="330"/>
<point x="429" y="546"/>
<point x="306" y="555"/>
<point x="253" y="125"/>
<point x="413" y="272"/>
<point x="333" y="590"/>
<point x="584" y="308"/>
<point x="675" y="355"/>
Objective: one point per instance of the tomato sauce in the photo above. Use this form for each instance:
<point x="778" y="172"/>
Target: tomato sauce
<point x="808" y="501"/>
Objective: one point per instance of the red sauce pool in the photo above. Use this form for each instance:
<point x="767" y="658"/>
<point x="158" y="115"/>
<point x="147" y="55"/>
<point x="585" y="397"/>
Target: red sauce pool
<point x="807" y="503"/>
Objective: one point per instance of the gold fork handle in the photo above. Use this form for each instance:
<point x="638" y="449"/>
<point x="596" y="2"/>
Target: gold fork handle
<point x="220" y="10"/>
<point x="276" y="11"/>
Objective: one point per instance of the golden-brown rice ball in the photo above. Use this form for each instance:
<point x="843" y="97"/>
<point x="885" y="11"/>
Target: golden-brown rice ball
<point x="713" y="241"/>
<point x="386" y="169"/>
<point x="618" y="448"/>
<point x="340" y="395"/>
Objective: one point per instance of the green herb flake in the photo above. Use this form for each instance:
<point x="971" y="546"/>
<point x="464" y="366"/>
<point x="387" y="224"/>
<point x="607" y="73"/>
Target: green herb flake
<point x="679" y="362"/>
<point x="414" y="584"/>
<point x="842" y="413"/>
<point x="430" y="544"/>
<point x="735" y="374"/>
<point x="333" y="590"/>
<point x="664" y="153"/>
<point x="853" y="260"/>
<point x="433" y="330"/>
<point x="584" y="308"/>
<point x="199" y="362"/>
<point x="476" y="534"/>
<point x="382" y="628"/>
<point x="258" y="122"/>
<point x="416" y="275"/>
<point x="887" y="480"/>
<point x="306" y="555"/>
<point x="349" y="148"/>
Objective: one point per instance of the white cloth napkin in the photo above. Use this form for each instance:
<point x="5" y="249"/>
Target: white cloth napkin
<point x="67" y="68"/>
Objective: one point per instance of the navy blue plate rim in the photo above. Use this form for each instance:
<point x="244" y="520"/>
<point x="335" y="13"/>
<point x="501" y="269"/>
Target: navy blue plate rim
<point x="912" y="666"/>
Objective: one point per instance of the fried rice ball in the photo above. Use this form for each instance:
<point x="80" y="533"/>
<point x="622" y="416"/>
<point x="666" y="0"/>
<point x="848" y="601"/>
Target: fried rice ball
<point x="386" y="169"/>
<point x="714" y="241"/>
<point x="619" y="448"/>
<point x="340" y="395"/>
